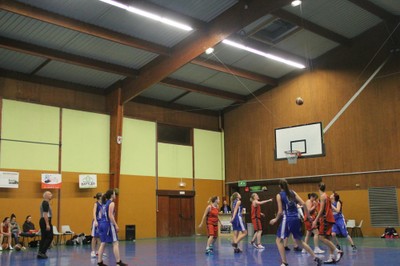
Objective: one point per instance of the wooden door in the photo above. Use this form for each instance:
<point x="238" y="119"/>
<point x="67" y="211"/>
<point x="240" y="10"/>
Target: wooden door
<point x="187" y="216"/>
<point x="163" y="216"/>
<point x="175" y="216"/>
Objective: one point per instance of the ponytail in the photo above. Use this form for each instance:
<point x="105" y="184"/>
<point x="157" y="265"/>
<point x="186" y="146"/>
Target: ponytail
<point x="337" y="199"/>
<point x="106" y="196"/>
<point x="283" y="184"/>
<point x="234" y="197"/>
<point x="213" y="199"/>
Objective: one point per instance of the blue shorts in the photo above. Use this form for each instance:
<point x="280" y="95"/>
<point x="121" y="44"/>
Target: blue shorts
<point x="107" y="232"/>
<point x="289" y="225"/>
<point x="238" y="225"/>
<point x="340" y="227"/>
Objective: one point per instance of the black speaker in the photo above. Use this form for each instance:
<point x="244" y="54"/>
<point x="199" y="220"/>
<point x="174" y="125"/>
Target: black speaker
<point x="130" y="232"/>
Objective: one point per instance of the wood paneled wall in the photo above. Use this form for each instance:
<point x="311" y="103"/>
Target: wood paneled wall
<point x="366" y="138"/>
<point x="19" y="90"/>
<point x="66" y="98"/>
<point x="170" y="116"/>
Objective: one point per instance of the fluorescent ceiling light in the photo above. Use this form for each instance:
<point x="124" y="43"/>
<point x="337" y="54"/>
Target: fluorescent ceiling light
<point x="296" y="3"/>
<point x="149" y="15"/>
<point x="209" y="50"/>
<point x="267" y="55"/>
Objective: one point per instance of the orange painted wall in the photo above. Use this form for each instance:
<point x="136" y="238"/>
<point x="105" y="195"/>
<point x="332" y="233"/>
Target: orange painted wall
<point x="26" y="199"/>
<point x="75" y="204"/>
<point x="168" y="183"/>
<point x="137" y="200"/>
<point x="137" y="205"/>
<point x="204" y="190"/>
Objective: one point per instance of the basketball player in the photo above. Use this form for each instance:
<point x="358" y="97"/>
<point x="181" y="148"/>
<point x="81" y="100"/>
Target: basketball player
<point x="256" y="219"/>
<point x="108" y="227"/>
<point x="326" y="221"/>
<point x="95" y="225"/>
<point x="211" y="212"/>
<point x="312" y="206"/>
<point x="340" y="225"/>
<point x="287" y="201"/>
<point x="239" y="230"/>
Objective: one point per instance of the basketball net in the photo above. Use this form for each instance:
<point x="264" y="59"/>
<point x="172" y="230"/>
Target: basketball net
<point x="292" y="155"/>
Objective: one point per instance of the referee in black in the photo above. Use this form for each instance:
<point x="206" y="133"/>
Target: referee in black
<point x="46" y="228"/>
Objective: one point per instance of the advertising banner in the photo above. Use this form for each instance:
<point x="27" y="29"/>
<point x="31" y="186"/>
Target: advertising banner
<point x="51" y="181"/>
<point x="9" y="179"/>
<point x="87" y="181"/>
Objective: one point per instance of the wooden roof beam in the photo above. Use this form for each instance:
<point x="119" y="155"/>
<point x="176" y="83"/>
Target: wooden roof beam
<point x="35" y="50"/>
<point x="50" y="82"/>
<point x="376" y="10"/>
<point x="219" y="29"/>
<point x="76" y="25"/>
<point x="202" y="89"/>
<point x="175" y="106"/>
<point x="311" y="26"/>
<point x="235" y="71"/>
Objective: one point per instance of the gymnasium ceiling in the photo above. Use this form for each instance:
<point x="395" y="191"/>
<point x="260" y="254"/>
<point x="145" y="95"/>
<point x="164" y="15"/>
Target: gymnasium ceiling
<point x="89" y="45"/>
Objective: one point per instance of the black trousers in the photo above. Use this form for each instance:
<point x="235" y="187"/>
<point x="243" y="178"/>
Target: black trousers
<point x="47" y="236"/>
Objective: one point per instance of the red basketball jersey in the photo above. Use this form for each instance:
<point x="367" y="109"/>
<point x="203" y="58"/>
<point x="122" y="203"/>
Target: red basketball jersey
<point x="255" y="211"/>
<point x="328" y="210"/>
<point x="212" y="216"/>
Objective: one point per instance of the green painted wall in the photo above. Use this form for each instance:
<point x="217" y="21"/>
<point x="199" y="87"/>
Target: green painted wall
<point x="175" y="161"/>
<point x="86" y="143"/>
<point x="209" y="154"/>
<point x="30" y="123"/>
<point x="138" y="148"/>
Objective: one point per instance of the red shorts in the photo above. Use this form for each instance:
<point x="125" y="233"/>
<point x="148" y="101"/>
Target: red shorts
<point x="325" y="228"/>
<point x="212" y="230"/>
<point x="308" y="225"/>
<point x="256" y="224"/>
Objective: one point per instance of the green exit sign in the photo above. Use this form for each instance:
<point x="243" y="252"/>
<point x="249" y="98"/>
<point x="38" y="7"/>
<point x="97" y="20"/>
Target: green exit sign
<point x="242" y="183"/>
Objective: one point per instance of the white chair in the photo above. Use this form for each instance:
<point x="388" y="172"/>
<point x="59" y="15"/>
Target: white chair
<point x="357" y="229"/>
<point x="66" y="231"/>
<point x="351" y="224"/>
<point x="57" y="234"/>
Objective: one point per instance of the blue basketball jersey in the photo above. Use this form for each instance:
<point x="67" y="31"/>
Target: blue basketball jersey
<point x="98" y="211"/>
<point x="104" y="211"/>
<point x="336" y="215"/>
<point x="289" y="207"/>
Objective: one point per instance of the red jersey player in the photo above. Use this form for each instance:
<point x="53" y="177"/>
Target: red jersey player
<point x="211" y="212"/>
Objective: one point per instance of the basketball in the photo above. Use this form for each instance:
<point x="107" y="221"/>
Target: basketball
<point x="4" y="246"/>
<point x="299" y="101"/>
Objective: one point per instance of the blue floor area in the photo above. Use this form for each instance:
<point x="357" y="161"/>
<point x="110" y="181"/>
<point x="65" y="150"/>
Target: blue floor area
<point x="190" y="251"/>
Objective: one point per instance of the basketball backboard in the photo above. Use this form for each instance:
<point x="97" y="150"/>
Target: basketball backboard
<point x="307" y="139"/>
